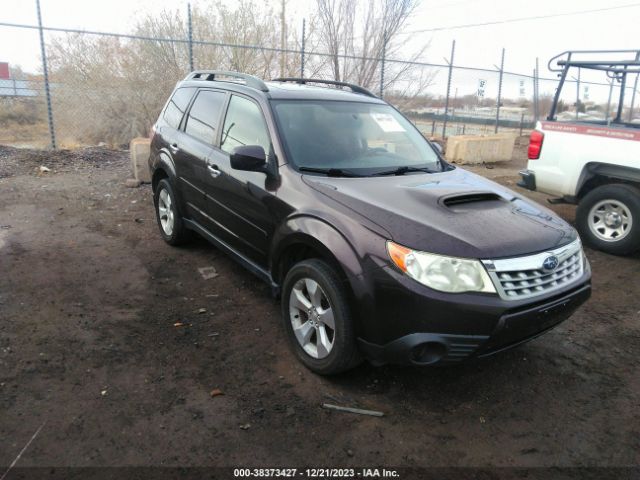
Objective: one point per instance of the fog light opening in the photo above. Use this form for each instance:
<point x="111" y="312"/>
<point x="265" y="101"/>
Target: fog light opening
<point x="428" y="352"/>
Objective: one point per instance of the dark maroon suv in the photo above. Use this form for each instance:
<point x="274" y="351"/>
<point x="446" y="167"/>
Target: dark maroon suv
<point x="377" y="247"/>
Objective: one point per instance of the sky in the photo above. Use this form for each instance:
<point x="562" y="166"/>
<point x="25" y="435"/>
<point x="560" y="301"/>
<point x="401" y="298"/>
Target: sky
<point x="477" y="46"/>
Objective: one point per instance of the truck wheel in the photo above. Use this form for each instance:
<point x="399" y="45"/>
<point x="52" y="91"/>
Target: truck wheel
<point x="317" y="318"/>
<point x="170" y="222"/>
<point x="608" y="218"/>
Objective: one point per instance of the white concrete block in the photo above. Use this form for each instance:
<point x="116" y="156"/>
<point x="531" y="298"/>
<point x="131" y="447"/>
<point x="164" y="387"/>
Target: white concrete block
<point x="469" y="149"/>
<point x="139" y="150"/>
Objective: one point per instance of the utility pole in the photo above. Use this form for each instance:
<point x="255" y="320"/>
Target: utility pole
<point x="446" y="104"/>
<point x="304" y="24"/>
<point x="499" y="93"/>
<point x="283" y="27"/>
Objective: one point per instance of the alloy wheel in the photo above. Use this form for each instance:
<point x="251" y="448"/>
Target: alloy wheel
<point x="165" y="212"/>
<point x="312" y="318"/>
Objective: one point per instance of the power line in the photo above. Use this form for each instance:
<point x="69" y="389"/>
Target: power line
<point x="522" y="19"/>
<point x="308" y="53"/>
<point x="449" y="5"/>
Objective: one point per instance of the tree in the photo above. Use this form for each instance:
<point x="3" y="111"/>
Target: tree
<point x="111" y="89"/>
<point x="355" y="35"/>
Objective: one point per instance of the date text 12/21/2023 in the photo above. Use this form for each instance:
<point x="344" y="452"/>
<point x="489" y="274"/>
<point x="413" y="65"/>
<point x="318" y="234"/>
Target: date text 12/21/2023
<point x="319" y="473"/>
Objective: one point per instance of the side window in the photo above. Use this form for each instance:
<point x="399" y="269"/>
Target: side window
<point x="204" y="115"/>
<point x="244" y="125"/>
<point x="177" y="106"/>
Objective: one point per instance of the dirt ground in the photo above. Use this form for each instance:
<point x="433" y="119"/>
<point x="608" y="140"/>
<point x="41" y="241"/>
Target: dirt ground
<point x="92" y="360"/>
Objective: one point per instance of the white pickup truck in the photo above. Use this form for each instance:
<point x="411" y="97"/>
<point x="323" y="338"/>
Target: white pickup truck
<point x="595" y="165"/>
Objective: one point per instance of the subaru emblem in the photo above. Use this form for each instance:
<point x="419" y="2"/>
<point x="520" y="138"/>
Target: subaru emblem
<point x="550" y="263"/>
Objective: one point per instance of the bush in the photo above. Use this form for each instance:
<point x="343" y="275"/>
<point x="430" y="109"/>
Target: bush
<point x="20" y="111"/>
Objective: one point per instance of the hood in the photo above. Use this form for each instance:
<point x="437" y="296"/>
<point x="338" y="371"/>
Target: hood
<point x="453" y="213"/>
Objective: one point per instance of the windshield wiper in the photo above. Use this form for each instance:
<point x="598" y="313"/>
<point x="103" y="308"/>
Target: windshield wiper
<point x="330" y="172"/>
<point x="402" y="170"/>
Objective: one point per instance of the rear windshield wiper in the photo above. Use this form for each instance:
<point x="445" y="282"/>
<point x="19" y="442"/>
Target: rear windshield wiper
<point x="402" y="170"/>
<point x="329" y="172"/>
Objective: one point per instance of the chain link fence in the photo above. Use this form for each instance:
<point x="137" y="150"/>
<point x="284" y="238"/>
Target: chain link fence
<point x="109" y="88"/>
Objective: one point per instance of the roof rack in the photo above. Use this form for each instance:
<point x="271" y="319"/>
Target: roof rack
<point x="616" y="63"/>
<point x="610" y="61"/>
<point x="304" y="81"/>
<point x="213" y="75"/>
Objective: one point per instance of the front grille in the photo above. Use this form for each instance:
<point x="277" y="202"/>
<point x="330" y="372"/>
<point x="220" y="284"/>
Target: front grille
<point x="525" y="282"/>
<point x="524" y="277"/>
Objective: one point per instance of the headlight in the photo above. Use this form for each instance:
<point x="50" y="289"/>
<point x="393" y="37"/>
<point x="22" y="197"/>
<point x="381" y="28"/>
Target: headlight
<point x="446" y="274"/>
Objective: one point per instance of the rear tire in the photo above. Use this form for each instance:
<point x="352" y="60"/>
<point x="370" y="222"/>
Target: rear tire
<point x="317" y="318"/>
<point x="170" y="222"/>
<point x="608" y="219"/>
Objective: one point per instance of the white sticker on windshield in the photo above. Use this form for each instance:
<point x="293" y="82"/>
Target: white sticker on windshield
<point x="387" y="123"/>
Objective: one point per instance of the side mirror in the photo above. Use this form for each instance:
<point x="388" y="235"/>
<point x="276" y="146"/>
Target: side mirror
<point x="250" y="158"/>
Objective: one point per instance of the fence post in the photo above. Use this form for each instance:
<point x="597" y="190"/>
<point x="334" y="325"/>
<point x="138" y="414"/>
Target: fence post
<point x="499" y="92"/>
<point x="521" y="122"/>
<point x="535" y="97"/>
<point x="384" y="54"/>
<point x="633" y="98"/>
<point x="45" y="73"/>
<point x="446" y="102"/>
<point x="606" y="119"/>
<point x="190" y="29"/>
<point x="577" y="93"/>
<point x="304" y="24"/>
<point x="537" y="86"/>
<point x="623" y="90"/>
<point x="283" y="38"/>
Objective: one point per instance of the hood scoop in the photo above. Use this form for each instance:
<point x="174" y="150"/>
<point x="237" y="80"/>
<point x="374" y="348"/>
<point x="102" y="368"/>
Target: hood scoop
<point x="470" y="199"/>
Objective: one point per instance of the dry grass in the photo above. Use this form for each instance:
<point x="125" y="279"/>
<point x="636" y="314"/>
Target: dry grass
<point x="32" y="136"/>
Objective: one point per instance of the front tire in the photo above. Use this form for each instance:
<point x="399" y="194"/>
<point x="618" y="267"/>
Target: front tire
<point x="170" y="222"/>
<point x="317" y="318"/>
<point x="608" y="219"/>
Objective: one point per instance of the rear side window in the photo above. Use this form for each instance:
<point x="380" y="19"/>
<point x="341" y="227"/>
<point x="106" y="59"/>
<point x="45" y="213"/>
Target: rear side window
<point x="177" y="106"/>
<point x="244" y="125"/>
<point x="204" y="116"/>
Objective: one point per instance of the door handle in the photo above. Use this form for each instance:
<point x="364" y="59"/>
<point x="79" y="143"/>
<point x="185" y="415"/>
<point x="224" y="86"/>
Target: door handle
<point x="174" y="147"/>
<point x="213" y="170"/>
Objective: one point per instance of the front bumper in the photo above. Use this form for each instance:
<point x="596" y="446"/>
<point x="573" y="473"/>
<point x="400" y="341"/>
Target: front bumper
<point x="440" y="329"/>
<point x="527" y="180"/>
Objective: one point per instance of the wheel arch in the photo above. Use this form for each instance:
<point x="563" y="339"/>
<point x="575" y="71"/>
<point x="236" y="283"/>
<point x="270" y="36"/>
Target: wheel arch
<point x="163" y="168"/>
<point x="302" y="247"/>
<point x="307" y="237"/>
<point x="596" y="174"/>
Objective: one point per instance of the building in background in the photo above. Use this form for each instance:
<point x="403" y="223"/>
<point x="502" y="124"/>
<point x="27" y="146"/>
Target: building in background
<point x="12" y="87"/>
<point x="4" y="71"/>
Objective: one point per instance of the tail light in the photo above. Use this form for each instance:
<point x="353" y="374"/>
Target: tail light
<point x="535" y="144"/>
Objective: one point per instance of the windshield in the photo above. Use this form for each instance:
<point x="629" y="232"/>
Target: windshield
<point x="352" y="139"/>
